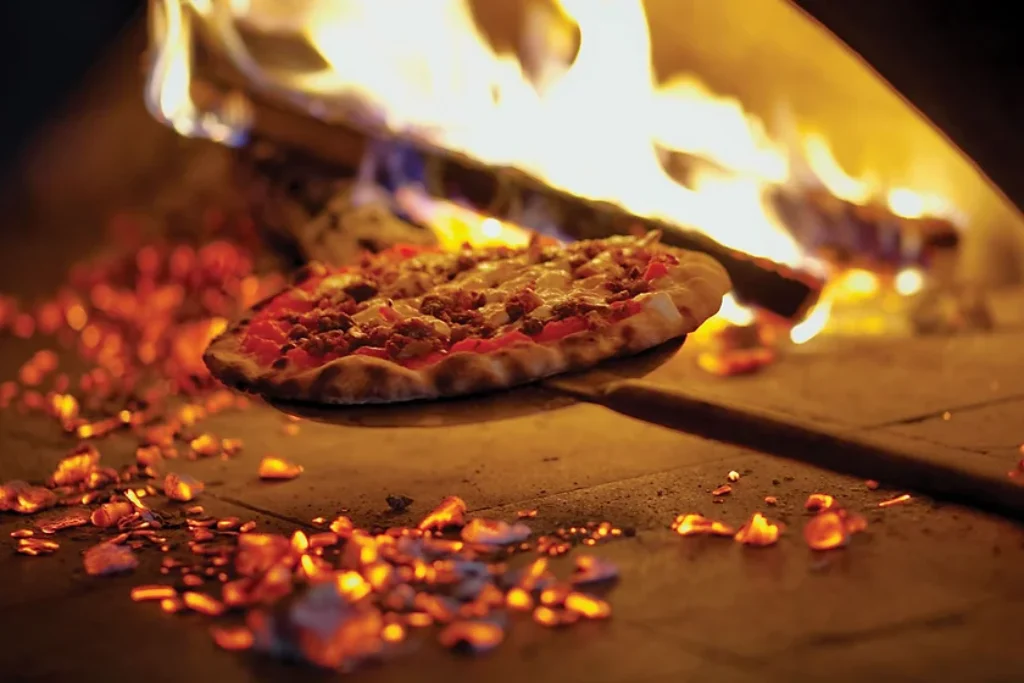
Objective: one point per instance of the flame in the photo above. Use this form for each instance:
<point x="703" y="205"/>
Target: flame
<point x="168" y="86"/>
<point x="824" y="165"/>
<point x="819" y="502"/>
<point x="758" y="532"/>
<point x="826" y="531"/>
<point x="450" y="512"/>
<point x="693" y="524"/>
<point x="815" y="322"/>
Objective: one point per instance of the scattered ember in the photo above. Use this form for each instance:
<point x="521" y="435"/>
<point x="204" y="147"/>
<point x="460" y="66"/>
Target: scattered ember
<point x="693" y="525"/>
<point x="895" y="501"/>
<point x="871" y="484"/>
<point x="398" y="503"/>
<point x="519" y="599"/>
<point x="771" y="500"/>
<point x="819" y="502"/>
<point x="494" y="532"/>
<point x="547" y="616"/>
<point x="826" y="531"/>
<point x="587" y="606"/>
<point x="273" y="467"/>
<point x="37" y="546"/>
<point x="231" y="446"/>
<point x="77" y="466"/>
<point x="155" y="592"/>
<point x="202" y="603"/>
<point x="205" y="445"/>
<point x="590" y="569"/>
<point x="731" y="362"/>
<point x="526" y="514"/>
<point x="233" y="638"/>
<point x="451" y="512"/>
<point x="182" y="487"/>
<point x="722" y="490"/>
<point x="474" y="637"/>
<point x="65" y="520"/>
<point x="758" y="532"/>
<point x="22" y="533"/>
<point x="291" y="429"/>
<point x="733" y="476"/>
<point x="110" y="514"/>
<point x="109" y="558"/>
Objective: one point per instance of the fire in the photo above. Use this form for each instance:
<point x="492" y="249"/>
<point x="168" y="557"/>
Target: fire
<point x="758" y="532"/>
<point x="826" y="531"/>
<point x="450" y="512"/>
<point x="77" y="466"/>
<point x="437" y="79"/>
<point x="693" y="524"/>
<point x="819" y="502"/>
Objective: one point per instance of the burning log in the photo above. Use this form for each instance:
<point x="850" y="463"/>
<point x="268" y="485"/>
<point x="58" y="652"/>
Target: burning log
<point x="869" y="236"/>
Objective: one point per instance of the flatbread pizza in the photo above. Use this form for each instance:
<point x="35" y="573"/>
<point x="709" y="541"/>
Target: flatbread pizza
<point x="421" y="323"/>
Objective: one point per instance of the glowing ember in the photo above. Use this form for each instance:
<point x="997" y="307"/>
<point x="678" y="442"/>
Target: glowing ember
<point x="77" y="466"/>
<point x="494" y="532"/>
<point x="472" y="636"/>
<point x="722" y="490"/>
<point x="155" y="592"/>
<point x="587" y="606"/>
<point x="393" y="633"/>
<point x="826" y="531"/>
<point x="110" y="514"/>
<point x="202" y="603"/>
<point x="450" y="512"/>
<point x="37" y="546"/>
<point x="519" y="599"/>
<point x="732" y="362"/>
<point x="871" y="484"/>
<point x="526" y="514"/>
<point x="694" y="525"/>
<point x="771" y="500"/>
<point x="32" y="499"/>
<point x="233" y="638"/>
<point x="733" y="476"/>
<point x="205" y="445"/>
<point x="590" y="569"/>
<point x="275" y="468"/>
<point x="895" y="501"/>
<point x="182" y="487"/>
<point x="818" y="502"/>
<point x="758" y="532"/>
<point x="109" y="558"/>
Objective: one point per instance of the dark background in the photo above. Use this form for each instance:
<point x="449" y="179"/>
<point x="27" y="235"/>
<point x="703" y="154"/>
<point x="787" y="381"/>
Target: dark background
<point x="959" y="61"/>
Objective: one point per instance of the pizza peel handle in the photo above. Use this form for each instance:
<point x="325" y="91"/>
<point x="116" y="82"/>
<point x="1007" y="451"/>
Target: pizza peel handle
<point x="898" y="461"/>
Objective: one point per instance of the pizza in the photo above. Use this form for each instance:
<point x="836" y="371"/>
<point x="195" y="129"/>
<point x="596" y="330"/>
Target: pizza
<point x="420" y="323"/>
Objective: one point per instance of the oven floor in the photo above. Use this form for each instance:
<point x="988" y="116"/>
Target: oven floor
<point x="928" y="591"/>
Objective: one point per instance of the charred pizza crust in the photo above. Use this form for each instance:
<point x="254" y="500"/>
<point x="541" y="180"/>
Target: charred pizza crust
<point x="355" y="379"/>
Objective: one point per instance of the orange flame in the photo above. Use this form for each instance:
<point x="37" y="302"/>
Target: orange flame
<point x="450" y="512"/>
<point x="587" y="606"/>
<point x="758" y="532"/>
<point x="818" y="502"/>
<point x="826" y="531"/>
<point x="77" y="466"/>
<point x="694" y="525"/>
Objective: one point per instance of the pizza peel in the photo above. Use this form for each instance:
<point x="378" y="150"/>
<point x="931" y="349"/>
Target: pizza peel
<point x="898" y="461"/>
